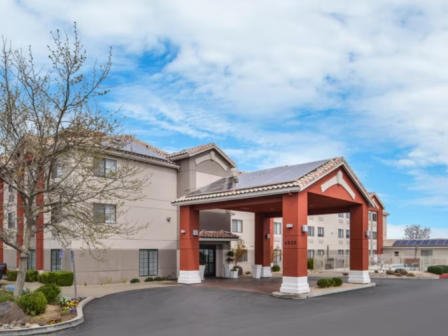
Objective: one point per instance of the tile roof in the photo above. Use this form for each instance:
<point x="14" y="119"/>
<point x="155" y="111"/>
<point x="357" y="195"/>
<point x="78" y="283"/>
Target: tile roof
<point x="300" y="182"/>
<point x="209" y="234"/>
<point x="199" y="149"/>
<point x="143" y="149"/>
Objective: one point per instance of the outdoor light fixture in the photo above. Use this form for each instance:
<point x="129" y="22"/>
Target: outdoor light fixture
<point x="268" y="236"/>
<point x="183" y="231"/>
<point x="289" y="226"/>
<point x="304" y="228"/>
<point x="168" y="219"/>
<point x="195" y="233"/>
<point x="367" y="233"/>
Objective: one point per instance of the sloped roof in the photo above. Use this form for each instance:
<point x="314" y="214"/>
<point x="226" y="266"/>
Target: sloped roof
<point x="200" y="149"/>
<point x="374" y="194"/>
<point x="297" y="177"/>
<point x="221" y="234"/>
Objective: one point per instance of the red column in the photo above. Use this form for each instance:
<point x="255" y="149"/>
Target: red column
<point x="295" y="244"/>
<point x="263" y="245"/>
<point x="380" y="231"/>
<point x="189" y="246"/>
<point x="20" y="223"/>
<point x="40" y="236"/>
<point x="359" y="245"/>
<point x="2" y="217"/>
<point x="271" y="233"/>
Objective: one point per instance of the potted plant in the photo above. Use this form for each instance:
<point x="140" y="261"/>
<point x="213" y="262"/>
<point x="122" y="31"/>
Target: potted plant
<point x="229" y="266"/>
<point x="238" y="253"/>
<point x="201" y="265"/>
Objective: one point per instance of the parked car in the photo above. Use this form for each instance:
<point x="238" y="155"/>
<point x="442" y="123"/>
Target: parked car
<point x="3" y="270"/>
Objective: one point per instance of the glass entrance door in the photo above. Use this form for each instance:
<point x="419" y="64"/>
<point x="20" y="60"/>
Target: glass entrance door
<point x="210" y="259"/>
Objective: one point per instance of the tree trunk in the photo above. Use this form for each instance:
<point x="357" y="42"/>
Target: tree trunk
<point x="21" y="275"/>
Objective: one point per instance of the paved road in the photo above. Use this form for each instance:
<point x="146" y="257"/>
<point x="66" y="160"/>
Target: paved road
<point x="394" y="307"/>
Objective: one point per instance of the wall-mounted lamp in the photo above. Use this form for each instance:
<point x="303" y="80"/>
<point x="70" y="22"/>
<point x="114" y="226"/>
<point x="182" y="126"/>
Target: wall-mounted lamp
<point x="304" y="228"/>
<point x="268" y="236"/>
<point x="183" y="231"/>
<point x="367" y="233"/>
<point x="168" y="219"/>
<point x="195" y="233"/>
<point x="289" y="226"/>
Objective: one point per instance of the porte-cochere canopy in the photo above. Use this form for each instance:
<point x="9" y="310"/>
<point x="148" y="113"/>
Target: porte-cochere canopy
<point x="293" y="193"/>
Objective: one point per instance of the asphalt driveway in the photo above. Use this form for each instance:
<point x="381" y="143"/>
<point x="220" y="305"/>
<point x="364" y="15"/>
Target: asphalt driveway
<point x="394" y="307"/>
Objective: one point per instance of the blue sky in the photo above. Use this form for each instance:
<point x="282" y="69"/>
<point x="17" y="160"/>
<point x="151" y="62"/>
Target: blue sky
<point x="277" y="83"/>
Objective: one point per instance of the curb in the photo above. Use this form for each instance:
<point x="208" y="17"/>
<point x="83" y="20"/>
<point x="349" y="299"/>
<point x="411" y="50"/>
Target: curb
<point x="79" y="319"/>
<point x="329" y="292"/>
<point x="443" y="276"/>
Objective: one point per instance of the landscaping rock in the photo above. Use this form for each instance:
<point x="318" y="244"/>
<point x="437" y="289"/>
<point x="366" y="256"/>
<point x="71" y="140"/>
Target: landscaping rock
<point x="402" y="271"/>
<point x="10" y="313"/>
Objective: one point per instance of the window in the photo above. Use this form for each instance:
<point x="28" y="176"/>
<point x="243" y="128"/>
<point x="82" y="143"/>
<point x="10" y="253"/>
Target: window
<point x="104" y="213"/>
<point x="341" y="215"/>
<point x="55" y="214"/>
<point x="374" y="216"/>
<point x="55" y="260"/>
<point x="340" y="233"/>
<point x="11" y="193"/>
<point x="321" y="218"/>
<point x="320" y="231"/>
<point x="374" y="235"/>
<point x="244" y="257"/>
<point x="347" y="234"/>
<point x="310" y="254"/>
<point x="57" y="170"/>
<point x="426" y="253"/>
<point x="347" y="252"/>
<point x="11" y="220"/>
<point x="340" y="252"/>
<point x="397" y="253"/>
<point x="320" y="252"/>
<point x="347" y="215"/>
<point x="310" y="231"/>
<point x="277" y="228"/>
<point x="277" y="255"/>
<point x="237" y="225"/>
<point x="148" y="262"/>
<point x="104" y="167"/>
<point x="31" y="263"/>
<point x="375" y="252"/>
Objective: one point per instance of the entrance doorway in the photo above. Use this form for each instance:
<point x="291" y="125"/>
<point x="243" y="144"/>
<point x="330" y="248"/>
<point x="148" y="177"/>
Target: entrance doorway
<point x="209" y="252"/>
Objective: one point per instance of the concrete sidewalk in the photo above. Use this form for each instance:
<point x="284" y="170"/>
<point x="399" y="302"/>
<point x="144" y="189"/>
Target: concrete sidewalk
<point x="97" y="291"/>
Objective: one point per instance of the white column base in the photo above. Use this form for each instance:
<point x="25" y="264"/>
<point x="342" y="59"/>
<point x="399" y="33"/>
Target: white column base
<point x="266" y="272"/>
<point x="256" y="271"/>
<point x="359" y="277"/>
<point x="189" y="277"/>
<point x="295" y="285"/>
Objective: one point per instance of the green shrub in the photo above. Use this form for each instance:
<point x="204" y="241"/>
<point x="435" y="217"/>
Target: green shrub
<point x="438" y="269"/>
<point x="6" y="297"/>
<point x="275" y="268"/>
<point x="310" y="263"/>
<point x="134" y="281"/>
<point x="33" y="303"/>
<point x="149" y="279"/>
<point x="337" y="282"/>
<point x="323" y="283"/>
<point x="31" y="276"/>
<point x="12" y="275"/>
<point x="51" y="292"/>
<point x="402" y="271"/>
<point x="330" y="282"/>
<point x="60" y="278"/>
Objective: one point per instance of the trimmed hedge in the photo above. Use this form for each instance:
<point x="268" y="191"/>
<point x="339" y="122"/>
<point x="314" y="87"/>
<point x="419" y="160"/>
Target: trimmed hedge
<point x="337" y="282"/>
<point x="275" y="268"/>
<point x="51" y="292"/>
<point x="134" y="281"/>
<point x="438" y="269"/>
<point x="149" y="279"/>
<point x="33" y="303"/>
<point x="325" y="283"/>
<point x="60" y="278"/>
<point x="12" y="275"/>
<point x="31" y="276"/>
<point x="310" y="263"/>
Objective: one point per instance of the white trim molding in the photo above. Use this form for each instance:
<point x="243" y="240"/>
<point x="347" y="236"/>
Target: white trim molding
<point x="211" y="156"/>
<point x="338" y="179"/>
<point x="295" y="285"/>
<point x="266" y="272"/>
<point x="189" y="277"/>
<point x="359" y="277"/>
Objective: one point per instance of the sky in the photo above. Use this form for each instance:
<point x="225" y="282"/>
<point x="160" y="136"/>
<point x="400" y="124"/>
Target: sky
<point x="276" y="83"/>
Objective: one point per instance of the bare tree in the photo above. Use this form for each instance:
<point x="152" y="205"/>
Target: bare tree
<point x="417" y="232"/>
<point x="54" y="137"/>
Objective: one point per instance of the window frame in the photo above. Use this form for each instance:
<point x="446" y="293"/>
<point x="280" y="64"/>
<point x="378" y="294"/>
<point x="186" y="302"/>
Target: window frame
<point x="11" y="220"/>
<point x="341" y="233"/>
<point x="321" y="231"/>
<point x="347" y="234"/>
<point x="100" y="167"/>
<point x="310" y="254"/>
<point x="237" y="222"/>
<point x="277" y="228"/>
<point x="311" y="231"/>
<point x="140" y="263"/>
<point x="340" y="253"/>
<point x="95" y="212"/>
<point x="321" y="253"/>
<point x="57" y="258"/>
<point x="31" y="262"/>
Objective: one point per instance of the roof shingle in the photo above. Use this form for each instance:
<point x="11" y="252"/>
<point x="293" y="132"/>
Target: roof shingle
<point x="217" y="234"/>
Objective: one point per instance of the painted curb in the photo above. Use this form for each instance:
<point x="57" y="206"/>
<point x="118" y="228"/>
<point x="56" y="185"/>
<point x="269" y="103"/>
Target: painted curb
<point x="79" y="319"/>
<point x="328" y="292"/>
<point x="443" y="276"/>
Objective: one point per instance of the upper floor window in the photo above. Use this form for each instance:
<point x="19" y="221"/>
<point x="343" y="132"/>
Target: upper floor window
<point x="347" y="234"/>
<point x="374" y="234"/>
<point x="11" y="220"/>
<point x="340" y="233"/>
<point x="237" y="225"/>
<point x="277" y="228"/>
<point x="347" y="215"/>
<point x="320" y="252"/>
<point x="105" y="167"/>
<point x="11" y="193"/>
<point x="340" y="252"/>
<point x="310" y="231"/>
<point x="320" y="231"/>
<point x="57" y="170"/>
<point x="104" y="213"/>
<point x="372" y="216"/>
<point x="310" y="254"/>
<point x="347" y="252"/>
<point x="341" y="215"/>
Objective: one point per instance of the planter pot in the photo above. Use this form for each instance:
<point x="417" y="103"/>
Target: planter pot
<point x="227" y="269"/>
<point x="233" y="274"/>
<point x="201" y="271"/>
<point x="256" y="271"/>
